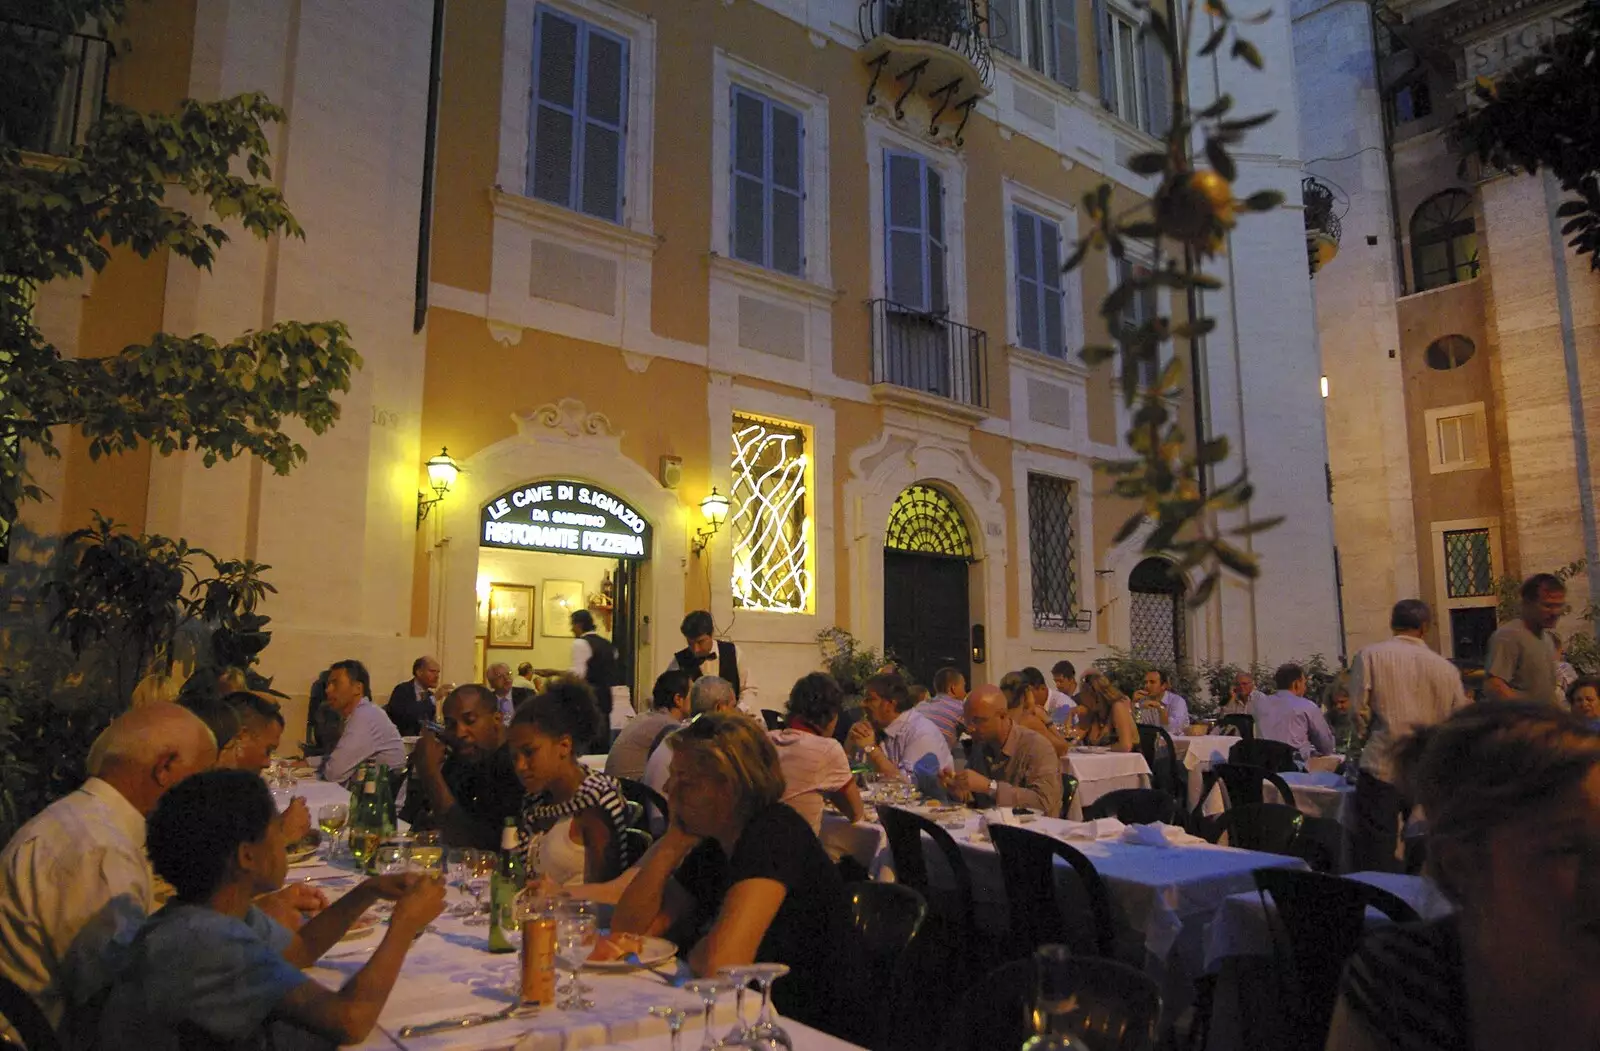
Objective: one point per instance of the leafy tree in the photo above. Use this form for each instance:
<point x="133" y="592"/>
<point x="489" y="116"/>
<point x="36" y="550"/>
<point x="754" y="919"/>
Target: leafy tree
<point x="1545" y="113"/>
<point x="63" y="216"/>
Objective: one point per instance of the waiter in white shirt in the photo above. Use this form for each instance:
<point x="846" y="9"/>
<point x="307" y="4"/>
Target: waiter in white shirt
<point x="707" y="655"/>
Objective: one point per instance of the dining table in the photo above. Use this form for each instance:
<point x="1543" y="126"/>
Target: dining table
<point x="1100" y="771"/>
<point x="450" y="974"/>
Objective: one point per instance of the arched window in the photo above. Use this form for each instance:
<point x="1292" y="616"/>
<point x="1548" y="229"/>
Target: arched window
<point x="1444" y="241"/>
<point x="1450" y="352"/>
<point x="926" y="521"/>
<point x="1156" y="613"/>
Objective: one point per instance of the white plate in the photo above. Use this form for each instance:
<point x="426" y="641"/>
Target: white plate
<point x="653" y="953"/>
<point x="1092" y="749"/>
<point x="301" y="854"/>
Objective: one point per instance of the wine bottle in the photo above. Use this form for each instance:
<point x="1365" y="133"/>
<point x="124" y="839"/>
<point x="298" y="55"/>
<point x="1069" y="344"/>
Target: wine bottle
<point x="366" y="818"/>
<point x="504" y="886"/>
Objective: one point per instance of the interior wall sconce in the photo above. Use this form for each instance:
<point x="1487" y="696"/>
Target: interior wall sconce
<point x="442" y="472"/>
<point x="715" y="509"/>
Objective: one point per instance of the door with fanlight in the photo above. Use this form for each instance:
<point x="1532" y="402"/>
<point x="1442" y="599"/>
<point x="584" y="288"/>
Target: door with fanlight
<point x="927" y="563"/>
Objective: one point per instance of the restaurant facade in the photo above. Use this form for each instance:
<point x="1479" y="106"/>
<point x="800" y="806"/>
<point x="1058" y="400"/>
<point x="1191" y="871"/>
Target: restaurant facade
<point x="747" y="306"/>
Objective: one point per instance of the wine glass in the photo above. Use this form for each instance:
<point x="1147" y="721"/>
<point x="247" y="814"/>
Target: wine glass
<point x="427" y="854"/>
<point x="709" y="990"/>
<point x="674" y="1017"/>
<point x="579" y="907"/>
<point x="576" y="936"/>
<point x="740" y="978"/>
<point x="767" y="1031"/>
<point x="480" y="867"/>
<point x="331" y="819"/>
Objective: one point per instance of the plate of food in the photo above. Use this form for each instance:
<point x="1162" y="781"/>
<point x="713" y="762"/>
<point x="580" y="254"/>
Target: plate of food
<point x="364" y="925"/>
<point x="626" y="952"/>
<point x="301" y="853"/>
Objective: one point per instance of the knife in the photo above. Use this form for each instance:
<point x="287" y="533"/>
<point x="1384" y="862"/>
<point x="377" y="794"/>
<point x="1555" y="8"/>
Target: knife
<point x="464" y="1022"/>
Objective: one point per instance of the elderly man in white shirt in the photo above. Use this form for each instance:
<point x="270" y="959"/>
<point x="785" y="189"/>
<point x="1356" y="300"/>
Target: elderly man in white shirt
<point x="708" y="694"/>
<point x="1406" y="686"/>
<point x="75" y="878"/>
<point x="910" y="747"/>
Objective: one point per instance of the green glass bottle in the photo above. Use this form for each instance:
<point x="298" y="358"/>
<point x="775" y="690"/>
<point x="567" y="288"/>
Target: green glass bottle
<point x="504" y="886"/>
<point x="366" y="817"/>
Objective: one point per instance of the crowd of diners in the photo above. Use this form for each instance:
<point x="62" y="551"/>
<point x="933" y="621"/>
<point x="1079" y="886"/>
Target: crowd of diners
<point x="150" y="906"/>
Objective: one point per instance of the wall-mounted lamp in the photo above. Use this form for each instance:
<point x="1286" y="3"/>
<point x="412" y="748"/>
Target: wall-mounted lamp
<point x="1324" y="386"/>
<point x="442" y="472"/>
<point x="715" y="509"/>
<point x="980" y="646"/>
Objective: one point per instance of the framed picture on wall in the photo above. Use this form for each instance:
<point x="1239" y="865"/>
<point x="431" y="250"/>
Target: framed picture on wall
<point x="480" y="657"/>
<point x="562" y="598"/>
<point x="510" y="616"/>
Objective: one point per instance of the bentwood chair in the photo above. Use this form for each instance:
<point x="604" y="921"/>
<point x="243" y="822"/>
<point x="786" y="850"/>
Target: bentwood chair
<point x="1034" y="900"/>
<point x="1114" y="1007"/>
<point x="1134" y="806"/>
<point x="18" y="1008"/>
<point x="1276" y="756"/>
<point x="1317" y="922"/>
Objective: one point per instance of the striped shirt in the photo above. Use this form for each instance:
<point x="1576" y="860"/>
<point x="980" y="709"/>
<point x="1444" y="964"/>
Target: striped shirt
<point x="1405" y="988"/>
<point x="1405" y="685"/>
<point x="598" y="792"/>
<point x="944" y="712"/>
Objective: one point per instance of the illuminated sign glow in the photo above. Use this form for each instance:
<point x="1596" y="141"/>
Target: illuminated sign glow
<point x="565" y="517"/>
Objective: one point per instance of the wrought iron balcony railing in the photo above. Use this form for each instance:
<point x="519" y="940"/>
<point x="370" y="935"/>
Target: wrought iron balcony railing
<point x="60" y="116"/>
<point x="935" y="48"/>
<point x="929" y="353"/>
<point x="960" y="25"/>
<point x="1323" y="228"/>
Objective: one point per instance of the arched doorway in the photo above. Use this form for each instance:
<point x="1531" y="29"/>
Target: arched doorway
<point x="1156" y="613"/>
<point x="927" y="553"/>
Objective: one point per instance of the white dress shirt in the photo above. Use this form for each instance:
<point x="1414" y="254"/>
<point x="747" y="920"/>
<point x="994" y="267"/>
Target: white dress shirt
<point x="72" y="880"/>
<point x="1297" y="722"/>
<point x="712" y="665"/>
<point x="1057" y="701"/>
<point x="367" y="734"/>
<point x="581" y="652"/>
<point x="1405" y="685"/>
<point x="1177" y="723"/>
<point x="915" y="744"/>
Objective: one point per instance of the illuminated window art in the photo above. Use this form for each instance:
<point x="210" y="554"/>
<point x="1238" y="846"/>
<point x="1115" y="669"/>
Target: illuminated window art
<point x="771" y="529"/>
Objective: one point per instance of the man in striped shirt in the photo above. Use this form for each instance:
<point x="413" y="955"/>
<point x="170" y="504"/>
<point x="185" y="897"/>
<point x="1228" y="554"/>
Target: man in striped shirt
<point x="1407" y="686"/>
<point x="943" y="709"/>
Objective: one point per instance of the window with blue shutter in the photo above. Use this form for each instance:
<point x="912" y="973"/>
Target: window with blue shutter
<point x="914" y="249"/>
<point x="1043" y="34"/>
<point x="1039" y="283"/>
<point x="576" y="132"/>
<point x="768" y="183"/>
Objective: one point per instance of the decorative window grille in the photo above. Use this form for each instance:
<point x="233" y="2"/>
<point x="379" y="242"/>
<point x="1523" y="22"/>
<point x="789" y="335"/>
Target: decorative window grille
<point x="580" y="99"/>
<point x="771" y="527"/>
<point x="1156" y="613"/>
<point x="1468" y="570"/>
<point x="1053" y="549"/>
<point x="925" y="520"/>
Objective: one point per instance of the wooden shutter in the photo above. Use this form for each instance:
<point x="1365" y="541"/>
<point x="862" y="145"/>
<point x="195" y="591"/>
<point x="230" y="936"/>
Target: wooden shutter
<point x="1004" y="28"/>
<point x="1102" y="47"/>
<point x="553" y="130"/>
<point x="1050" y="278"/>
<point x="1157" y="84"/>
<point x="905" y="230"/>
<point x="749" y="169"/>
<point x="1064" y="20"/>
<point x="1025" y="231"/>
<point x="933" y="200"/>
<point x="786" y="189"/>
<point x="605" y="95"/>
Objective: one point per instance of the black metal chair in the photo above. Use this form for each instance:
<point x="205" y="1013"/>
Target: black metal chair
<point x="1038" y="914"/>
<point x="885" y="918"/>
<point x="655" y="815"/>
<point x="1069" y="792"/>
<point x="1243" y="783"/>
<point x="1134" y="806"/>
<point x="904" y="831"/>
<point x="1155" y="744"/>
<point x="1268" y="827"/>
<point x="1114" y="1007"/>
<point x="18" y="1008"/>
<point x="638" y="841"/>
<point x="1272" y="755"/>
<point x="1318" y="922"/>
<point x="774" y="720"/>
<point x="1244" y="724"/>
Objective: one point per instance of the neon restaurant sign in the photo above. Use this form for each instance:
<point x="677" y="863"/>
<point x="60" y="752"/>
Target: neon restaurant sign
<point x="566" y="518"/>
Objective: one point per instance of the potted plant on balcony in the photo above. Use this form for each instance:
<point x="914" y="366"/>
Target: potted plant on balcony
<point x="936" y="21"/>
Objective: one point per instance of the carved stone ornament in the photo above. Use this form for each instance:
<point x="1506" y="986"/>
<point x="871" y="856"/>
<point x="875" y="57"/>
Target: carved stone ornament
<point x="570" y="416"/>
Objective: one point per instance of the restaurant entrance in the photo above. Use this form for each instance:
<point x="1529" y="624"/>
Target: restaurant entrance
<point x="927" y="561"/>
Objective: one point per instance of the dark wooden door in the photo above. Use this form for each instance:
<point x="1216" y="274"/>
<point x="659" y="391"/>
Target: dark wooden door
<point x="925" y="613"/>
<point x="1470" y="629"/>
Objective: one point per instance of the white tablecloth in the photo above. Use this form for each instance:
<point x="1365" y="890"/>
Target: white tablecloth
<point x="450" y="972"/>
<point x="863" y="841"/>
<point x="1197" y="754"/>
<point x="315" y="793"/>
<point x="1102" y="772"/>
<point x="1320" y="795"/>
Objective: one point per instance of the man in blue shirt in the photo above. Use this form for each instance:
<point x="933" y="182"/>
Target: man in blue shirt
<point x="367" y="734"/>
<point x="1288" y="717"/>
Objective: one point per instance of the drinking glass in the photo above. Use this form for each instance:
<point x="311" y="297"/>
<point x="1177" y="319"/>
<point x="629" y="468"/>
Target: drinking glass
<point x="674" y="1017"/>
<point x="480" y="868"/>
<point x="579" y="907"/>
<point x="427" y="854"/>
<point x="1055" y="1001"/>
<point x="708" y="990"/>
<point x="459" y="866"/>
<point x="364" y="844"/>
<point x="576" y="936"/>
<point x="331" y="819"/>
<point x="767" y="1031"/>
<point x="740" y="977"/>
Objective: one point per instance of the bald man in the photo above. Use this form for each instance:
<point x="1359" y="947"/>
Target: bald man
<point x="1009" y="765"/>
<point x="75" y="876"/>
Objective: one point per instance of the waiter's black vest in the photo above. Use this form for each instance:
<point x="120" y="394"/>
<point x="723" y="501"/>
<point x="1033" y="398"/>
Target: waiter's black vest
<point x="603" y="670"/>
<point x="728" y="658"/>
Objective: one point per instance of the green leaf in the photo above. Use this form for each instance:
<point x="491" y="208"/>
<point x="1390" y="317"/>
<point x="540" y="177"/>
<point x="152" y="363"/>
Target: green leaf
<point x="1128" y="528"/>
<point x="1264" y="200"/>
<point x="1215" y="40"/>
<point x="1223" y="104"/>
<point x="1242" y="48"/>
<point x="1246" y="123"/>
<point x="1218" y="156"/>
<point x="1147" y="163"/>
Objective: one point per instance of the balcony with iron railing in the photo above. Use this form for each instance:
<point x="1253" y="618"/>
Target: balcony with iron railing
<point x="938" y="49"/>
<point x="1323" y="228"/>
<point x="929" y="361"/>
<point x="63" y="113"/>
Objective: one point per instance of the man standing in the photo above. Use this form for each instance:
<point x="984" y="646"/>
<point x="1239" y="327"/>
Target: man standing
<point x="411" y="703"/>
<point x="1011" y="766"/>
<point x="1064" y="697"/>
<point x="464" y="783"/>
<point x="1522" y="653"/>
<point x="367" y="734"/>
<point x="1157" y="705"/>
<point x="669" y="707"/>
<point x="911" y="747"/>
<point x="707" y="655"/>
<point x="1406" y="686"/>
<point x="594" y="660"/>
<point x="507" y="697"/>
<point x="1288" y="717"/>
<point x="75" y="877"/>
<point x="943" y="709"/>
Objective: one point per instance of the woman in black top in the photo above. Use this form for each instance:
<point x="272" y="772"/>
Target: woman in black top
<point x="1511" y="791"/>
<point x="739" y="877"/>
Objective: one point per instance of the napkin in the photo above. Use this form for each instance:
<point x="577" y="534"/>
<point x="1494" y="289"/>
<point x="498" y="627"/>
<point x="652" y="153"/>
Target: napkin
<point x="1318" y="779"/>
<point x="1103" y="828"/>
<point x="1158" y="834"/>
